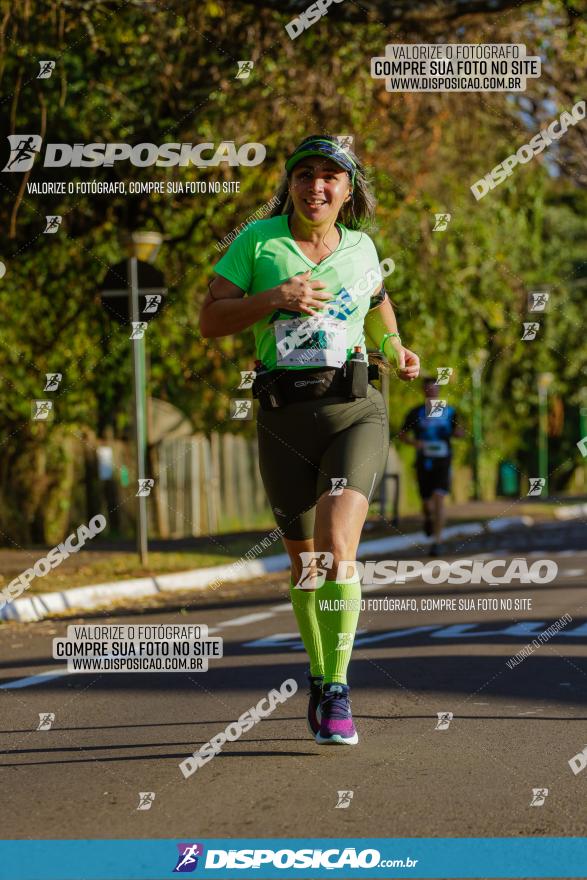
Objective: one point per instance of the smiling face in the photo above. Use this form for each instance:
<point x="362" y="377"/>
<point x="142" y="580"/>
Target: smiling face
<point x="319" y="188"/>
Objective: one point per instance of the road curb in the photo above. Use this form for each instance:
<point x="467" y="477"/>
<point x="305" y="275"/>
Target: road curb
<point x="570" y="511"/>
<point x="38" y="607"/>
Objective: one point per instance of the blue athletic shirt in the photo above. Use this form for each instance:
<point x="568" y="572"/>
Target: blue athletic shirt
<point x="435" y="431"/>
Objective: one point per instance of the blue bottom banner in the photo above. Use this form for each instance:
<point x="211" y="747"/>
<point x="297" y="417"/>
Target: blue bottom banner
<point x="367" y="858"/>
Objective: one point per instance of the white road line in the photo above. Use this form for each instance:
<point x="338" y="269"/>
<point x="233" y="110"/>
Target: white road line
<point x="39" y="678"/>
<point x="50" y="674"/>
<point x="247" y="618"/>
<point x="392" y="634"/>
<point x="244" y="620"/>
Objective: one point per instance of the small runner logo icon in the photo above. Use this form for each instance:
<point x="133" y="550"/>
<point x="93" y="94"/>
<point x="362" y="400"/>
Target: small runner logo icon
<point x="345" y="641"/>
<point x="338" y="484"/>
<point x="344" y="800"/>
<point x="46" y="68"/>
<point x="138" y="329"/>
<point x="46" y="719"/>
<point x="187" y="861"/>
<point x="145" y="487"/>
<point x="152" y="302"/>
<point x="314" y="575"/>
<point x="537" y="300"/>
<point x="435" y="408"/>
<point x="247" y="379"/>
<point x="444" y="374"/>
<point x="53" y="222"/>
<point x="146" y="799"/>
<point x="52" y="381"/>
<point x="23" y="149"/>
<point x="245" y="69"/>
<point x="444" y="719"/>
<point x="441" y="222"/>
<point x="537" y="484"/>
<point x="530" y="330"/>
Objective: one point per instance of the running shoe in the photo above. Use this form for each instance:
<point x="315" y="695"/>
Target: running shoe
<point x="336" y="726"/>
<point x="315" y="694"/>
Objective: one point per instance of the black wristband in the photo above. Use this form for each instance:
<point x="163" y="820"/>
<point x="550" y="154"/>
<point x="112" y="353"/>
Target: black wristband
<point x="378" y="298"/>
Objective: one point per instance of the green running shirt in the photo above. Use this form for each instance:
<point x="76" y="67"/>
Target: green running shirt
<point x="264" y="255"/>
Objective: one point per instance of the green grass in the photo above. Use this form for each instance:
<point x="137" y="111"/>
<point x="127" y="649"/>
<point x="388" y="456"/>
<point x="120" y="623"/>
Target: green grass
<point x="101" y="567"/>
<point x="94" y="568"/>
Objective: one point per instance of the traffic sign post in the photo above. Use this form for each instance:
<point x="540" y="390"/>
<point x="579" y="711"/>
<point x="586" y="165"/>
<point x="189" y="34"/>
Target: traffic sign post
<point x="544" y="383"/>
<point x="140" y="395"/>
<point x="135" y="305"/>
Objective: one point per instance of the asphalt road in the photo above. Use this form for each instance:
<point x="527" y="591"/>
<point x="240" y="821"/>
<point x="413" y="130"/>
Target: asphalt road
<point x="513" y="729"/>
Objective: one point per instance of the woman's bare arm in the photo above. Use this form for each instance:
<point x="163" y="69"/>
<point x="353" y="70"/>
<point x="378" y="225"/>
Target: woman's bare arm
<point x="380" y="321"/>
<point x="226" y="309"/>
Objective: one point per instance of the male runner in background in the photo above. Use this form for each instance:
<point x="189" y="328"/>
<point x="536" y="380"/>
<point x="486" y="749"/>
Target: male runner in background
<point x="432" y="425"/>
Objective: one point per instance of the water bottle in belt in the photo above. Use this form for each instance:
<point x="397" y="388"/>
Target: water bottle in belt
<point x="357" y="371"/>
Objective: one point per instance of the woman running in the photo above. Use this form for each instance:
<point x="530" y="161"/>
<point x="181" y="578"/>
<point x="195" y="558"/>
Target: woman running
<point x="307" y="280"/>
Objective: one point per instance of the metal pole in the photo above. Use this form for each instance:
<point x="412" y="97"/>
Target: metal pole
<point x="543" y="434"/>
<point x="583" y="433"/>
<point x="383" y="491"/>
<point x="477" y="432"/>
<point x="139" y="371"/>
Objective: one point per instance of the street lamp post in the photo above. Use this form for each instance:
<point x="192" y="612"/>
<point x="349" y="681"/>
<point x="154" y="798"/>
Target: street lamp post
<point x="544" y="383"/>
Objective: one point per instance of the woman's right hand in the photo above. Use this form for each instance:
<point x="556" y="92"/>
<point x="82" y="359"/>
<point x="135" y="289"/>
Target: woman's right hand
<point x="299" y="294"/>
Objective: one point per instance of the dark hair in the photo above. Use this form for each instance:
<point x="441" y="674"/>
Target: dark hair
<point x="358" y="213"/>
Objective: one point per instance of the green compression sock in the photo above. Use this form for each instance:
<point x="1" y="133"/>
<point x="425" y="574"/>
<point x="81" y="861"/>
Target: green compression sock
<point x="304" y="606"/>
<point x="337" y="609"/>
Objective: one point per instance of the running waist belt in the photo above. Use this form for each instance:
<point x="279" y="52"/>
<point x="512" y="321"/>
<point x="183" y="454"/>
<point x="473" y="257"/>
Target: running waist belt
<point x="276" y="388"/>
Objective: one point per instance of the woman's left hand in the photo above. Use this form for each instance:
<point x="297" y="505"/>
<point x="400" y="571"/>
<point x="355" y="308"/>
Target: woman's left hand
<point x="406" y="361"/>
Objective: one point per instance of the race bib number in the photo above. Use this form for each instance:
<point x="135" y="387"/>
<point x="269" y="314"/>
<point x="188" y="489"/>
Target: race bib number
<point x="435" y="449"/>
<point x="310" y="342"/>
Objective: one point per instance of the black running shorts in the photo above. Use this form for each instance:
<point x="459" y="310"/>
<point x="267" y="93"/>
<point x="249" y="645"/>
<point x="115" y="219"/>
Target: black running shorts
<point x="433" y="476"/>
<point x="314" y="446"/>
